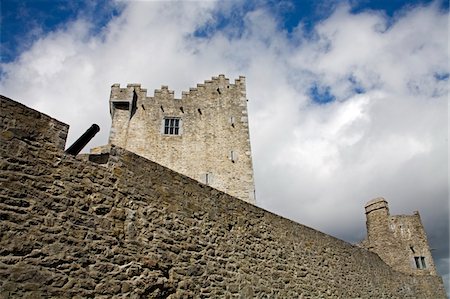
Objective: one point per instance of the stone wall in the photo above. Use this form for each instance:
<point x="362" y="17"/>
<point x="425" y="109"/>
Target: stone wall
<point x="213" y="144"/>
<point x="40" y="132"/>
<point x="119" y="226"/>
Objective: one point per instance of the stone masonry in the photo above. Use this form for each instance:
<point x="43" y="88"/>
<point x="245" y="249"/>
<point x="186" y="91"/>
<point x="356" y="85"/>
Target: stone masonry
<point x="399" y="240"/>
<point x="116" y="225"/>
<point x="203" y="135"/>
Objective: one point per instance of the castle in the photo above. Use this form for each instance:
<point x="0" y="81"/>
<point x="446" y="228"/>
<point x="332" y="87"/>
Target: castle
<point x="113" y="224"/>
<point x="203" y="135"/>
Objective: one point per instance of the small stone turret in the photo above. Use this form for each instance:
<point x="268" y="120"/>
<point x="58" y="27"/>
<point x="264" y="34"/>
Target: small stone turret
<point x="400" y="240"/>
<point x="377" y="214"/>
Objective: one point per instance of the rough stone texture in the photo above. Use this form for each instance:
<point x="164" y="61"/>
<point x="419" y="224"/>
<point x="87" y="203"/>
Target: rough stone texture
<point x="117" y="225"/>
<point x="398" y="239"/>
<point x="213" y="146"/>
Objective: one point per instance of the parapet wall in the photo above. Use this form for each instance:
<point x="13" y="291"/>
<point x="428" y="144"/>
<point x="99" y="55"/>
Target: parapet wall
<point x="125" y="93"/>
<point x="118" y="225"/>
<point x="36" y="129"/>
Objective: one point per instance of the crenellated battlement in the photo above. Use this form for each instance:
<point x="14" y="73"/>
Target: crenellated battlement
<point x="126" y="93"/>
<point x="164" y="91"/>
<point x="217" y="84"/>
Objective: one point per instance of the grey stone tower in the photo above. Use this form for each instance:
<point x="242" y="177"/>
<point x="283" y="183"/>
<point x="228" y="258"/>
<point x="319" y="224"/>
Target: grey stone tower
<point x="399" y="240"/>
<point x="203" y="135"/>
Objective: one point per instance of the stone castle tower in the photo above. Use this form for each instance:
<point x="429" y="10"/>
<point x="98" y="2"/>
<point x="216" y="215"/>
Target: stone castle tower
<point x="400" y="241"/>
<point x="203" y="135"/>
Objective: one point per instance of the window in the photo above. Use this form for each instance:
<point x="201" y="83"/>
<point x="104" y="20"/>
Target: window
<point x="232" y="121"/>
<point x="207" y="178"/>
<point x="232" y="156"/>
<point x="172" y="126"/>
<point x="420" y="262"/>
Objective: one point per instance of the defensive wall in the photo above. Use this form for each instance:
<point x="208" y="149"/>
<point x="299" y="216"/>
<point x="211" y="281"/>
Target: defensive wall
<point x="116" y="225"/>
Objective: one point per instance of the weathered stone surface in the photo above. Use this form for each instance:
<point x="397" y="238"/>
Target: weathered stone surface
<point x="131" y="228"/>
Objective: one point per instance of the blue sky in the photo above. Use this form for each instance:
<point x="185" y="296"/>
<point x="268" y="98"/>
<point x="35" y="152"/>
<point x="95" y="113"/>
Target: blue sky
<point x="22" y="22"/>
<point x="347" y="99"/>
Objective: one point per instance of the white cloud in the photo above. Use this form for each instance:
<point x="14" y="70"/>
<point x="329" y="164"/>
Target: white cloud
<point x="316" y="164"/>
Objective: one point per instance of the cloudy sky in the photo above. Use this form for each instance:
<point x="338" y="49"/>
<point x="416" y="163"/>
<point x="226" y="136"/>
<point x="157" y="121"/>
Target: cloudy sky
<point x="347" y="99"/>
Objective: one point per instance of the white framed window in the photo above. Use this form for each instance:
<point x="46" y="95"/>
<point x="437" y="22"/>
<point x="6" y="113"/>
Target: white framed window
<point x="207" y="178"/>
<point x="171" y="126"/>
<point x="233" y="156"/>
<point x="232" y="121"/>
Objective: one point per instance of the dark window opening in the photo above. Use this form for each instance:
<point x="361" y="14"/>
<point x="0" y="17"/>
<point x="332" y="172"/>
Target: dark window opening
<point x="121" y="105"/>
<point x="420" y="262"/>
<point x="422" y="258"/>
<point x="416" y="259"/>
<point x="172" y="126"/>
